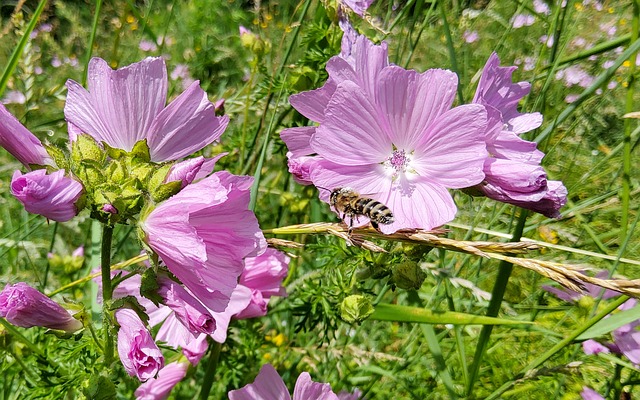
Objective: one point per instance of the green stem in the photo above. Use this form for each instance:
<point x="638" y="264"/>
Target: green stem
<point x="107" y="292"/>
<point x="210" y="372"/>
<point x="92" y="38"/>
<point x="497" y="294"/>
<point x="450" y="47"/>
<point x="626" y="151"/>
<point x="31" y="346"/>
<point x="46" y="269"/>
<point x="17" y="51"/>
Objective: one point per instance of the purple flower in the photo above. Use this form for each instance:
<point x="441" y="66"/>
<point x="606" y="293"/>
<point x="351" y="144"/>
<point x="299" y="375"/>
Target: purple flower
<point x="53" y="195"/>
<point x="590" y="394"/>
<point x="25" y="306"/>
<point x="139" y="354"/>
<point x="14" y="97"/>
<point x="203" y="233"/>
<point x="520" y="20"/>
<point x="301" y="167"/>
<point x="269" y="385"/>
<point x="160" y="387"/>
<point x="591" y="347"/>
<point x="21" y="143"/>
<point x="192" y="169"/>
<point x="541" y="7"/>
<point x="147" y="45"/>
<point x="181" y="71"/>
<point x="263" y="275"/>
<point x="512" y="172"/>
<point x="470" y="36"/>
<point x="358" y="6"/>
<point x="127" y="105"/>
<point x="391" y="134"/>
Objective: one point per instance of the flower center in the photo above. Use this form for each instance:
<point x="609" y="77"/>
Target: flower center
<point x="398" y="163"/>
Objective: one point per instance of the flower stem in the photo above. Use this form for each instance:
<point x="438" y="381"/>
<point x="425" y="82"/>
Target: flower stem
<point x="210" y="372"/>
<point x="497" y="294"/>
<point x="107" y="292"/>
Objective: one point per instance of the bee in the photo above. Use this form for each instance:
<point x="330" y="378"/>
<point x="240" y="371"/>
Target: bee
<point x="348" y="202"/>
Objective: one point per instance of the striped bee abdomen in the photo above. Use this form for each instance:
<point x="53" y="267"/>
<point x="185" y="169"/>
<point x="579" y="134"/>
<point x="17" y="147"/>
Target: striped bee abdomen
<point x="377" y="212"/>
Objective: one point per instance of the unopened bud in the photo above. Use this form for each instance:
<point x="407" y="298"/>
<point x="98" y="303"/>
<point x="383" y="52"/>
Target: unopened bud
<point x="355" y="308"/>
<point x="407" y="275"/>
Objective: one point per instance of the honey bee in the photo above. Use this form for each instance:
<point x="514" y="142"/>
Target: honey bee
<point x="348" y="202"/>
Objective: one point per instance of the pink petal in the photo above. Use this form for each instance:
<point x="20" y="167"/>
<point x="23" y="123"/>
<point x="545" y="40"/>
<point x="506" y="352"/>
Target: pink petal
<point x="311" y="104"/>
<point x="370" y="60"/>
<point x="352" y="133"/>
<point x="590" y="394"/>
<point x="240" y="300"/>
<point x="298" y="140"/>
<point x="452" y="150"/>
<point x="420" y="204"/>
<point x="525" y="122"/>
<point x="20" y="142"/>
<point x="185" y="126"/>
<point x="509" y="146"/>
<point x="411" y="101"/>
<point x="306" y="389"/>
<point x="160" y="387"/>
<point x="267" y="386"/>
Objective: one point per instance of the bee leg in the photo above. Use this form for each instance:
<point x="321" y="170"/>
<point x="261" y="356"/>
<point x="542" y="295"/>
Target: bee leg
<point x="375" y="225"/>
<point x="350" y="225"/>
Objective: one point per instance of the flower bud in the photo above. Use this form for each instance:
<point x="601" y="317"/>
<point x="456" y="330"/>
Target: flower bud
<point x="25" y="306"/>
<point x="407" y="275"/>
<point x="355" y="308"/>
<point x="139" y="354"/>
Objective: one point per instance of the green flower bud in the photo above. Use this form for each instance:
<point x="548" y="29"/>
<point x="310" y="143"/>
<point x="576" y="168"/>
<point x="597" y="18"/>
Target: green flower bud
<point x="99" y="387"/>
<point x="407" y="275"/>
<point x="86" y="148"/>
<point x="59" y="157"/>
<point x="355" y="308"/>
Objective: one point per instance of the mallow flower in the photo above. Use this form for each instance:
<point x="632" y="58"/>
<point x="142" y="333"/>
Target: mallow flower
<point x="21" y="143"/>
<point x="268" y="385"/>
<point x="263" y="276"/>
<point x="24" y="306"/>
<point x="160" y="387"/>
<point x="52" y="195"/>
<point x="203" y="233"/>
<point x="513" y="173"/>
<point x="122" y="107"/>
<point x="138" y="353"/>
<point x="390" y="134"/>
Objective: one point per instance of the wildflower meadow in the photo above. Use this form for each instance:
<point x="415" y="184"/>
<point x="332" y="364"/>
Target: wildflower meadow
<point x="336" y="199"/>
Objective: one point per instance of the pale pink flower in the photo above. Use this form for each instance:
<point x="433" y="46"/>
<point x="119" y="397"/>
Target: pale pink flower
<point x="203" y="233"/>
<point x="591" y="347"/>
<point x="139" y="354"/>
<point x="192" y="169"/>
<point x="470" y="36"/>
<point x="181" y="71"/>
<point x="541" y="7"/>
<point x="263" y="275"/>
<point x="391" y="134"/>
<point x="301" y="167"/>
<point x="26" y="307"/>
<point x="512" y="172"/>
<point x="358" y="6"/>
<point x="570" y="98"/>
<point x="160" y="387"/>
<point x="520" y="20"/>
<point x="590" y="394"/>
<point x="51" y="195"/>
<point x="147" y="45"/>
<point x="268" y="385"/>
<point x="21" y="143"/>
<point x="14" y="97"/>
<point x="193" y="315"/>
<point x="127" y="105"/>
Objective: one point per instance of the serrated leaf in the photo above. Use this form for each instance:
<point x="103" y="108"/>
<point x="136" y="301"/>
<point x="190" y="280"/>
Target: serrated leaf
<point x="396" y="313"/>
<point x="611" y="323"/>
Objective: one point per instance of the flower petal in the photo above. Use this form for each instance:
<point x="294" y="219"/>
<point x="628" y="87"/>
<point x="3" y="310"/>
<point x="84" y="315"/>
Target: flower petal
<point x="306" y="389"/>
<point x="412" y="101"/>
<point x="268" y="385"/>
<point x="352" y="133"/>
<point x="21" y="143"/>
<point x="452" y="150"/>
<point x="312" y="103"/>
<point x="185" y="126"/>
<point x="298" y="140"/>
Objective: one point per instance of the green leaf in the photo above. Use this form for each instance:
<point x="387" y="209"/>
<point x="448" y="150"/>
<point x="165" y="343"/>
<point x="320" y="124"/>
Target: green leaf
<point x="607" y="325"/>
<point x="392" y="312"/>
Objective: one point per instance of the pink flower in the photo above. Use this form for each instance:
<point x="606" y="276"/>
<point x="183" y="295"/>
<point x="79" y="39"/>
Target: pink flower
<point x="301" y="167"/>
<point x="139" y="354"/>
<point x="160" y="387"/>
<point x="358" y="6"/>
<point x="52" y="195"/>
<point x="14" y="97"/>
<point x="590" y="394"/>
<point x="193" y="315"/>
<point x="512" y="172"/>
<point x="21" y="143"/>
<point x="520" y="20"/>
<point x="591" y="347"/>
<point x="147" y="45"/>
<point x="127" y="105"/>
<point x="203" y="233"/>
<point x="470" y="36"/>
<point x="391" y="134"/>
<point x="541" y="7"/>
<point x="25" y="306"/>
<point x="263" y="275"/>
<point x="269" y="385"/>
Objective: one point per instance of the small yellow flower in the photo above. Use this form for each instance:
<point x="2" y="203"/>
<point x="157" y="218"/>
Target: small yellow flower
<point x="622" y="22"/>
<point x="626" y="64"/>
<point x="578" y="6"/>
<point x="610" y="10"/>
<point x="130" y="19"/>
<point x="267" y="356"/>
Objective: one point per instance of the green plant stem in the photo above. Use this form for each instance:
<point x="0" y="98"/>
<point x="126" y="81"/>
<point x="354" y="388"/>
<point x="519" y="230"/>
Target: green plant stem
<point x="92" y="38"/>
<point x="107" y="292"/>
<point x="450" y="47"/>
<point x="15" y="333"/>
<point x="17" y="51"/>
<point x="629" y="107"/>
<point x="497" y="294"/>
<point x="210" y="371"/>
<point x="46" y="269"/>
<point x="558" y="346"/>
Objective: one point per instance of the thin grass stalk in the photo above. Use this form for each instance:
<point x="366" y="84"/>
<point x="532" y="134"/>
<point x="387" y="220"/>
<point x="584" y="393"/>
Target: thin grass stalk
<point x="92" y="38"/>
<point x="436" y="351"/>
<point x="597" y="49"/>
<point x="46" y="269"/>
<point x="451" y="49"/>
<point x="497" y="294"/>
<point x="529" y="370"/>
<point x="629" y="107"/>
<point x="599" y="81"/>
<point x="17" y="51"/>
